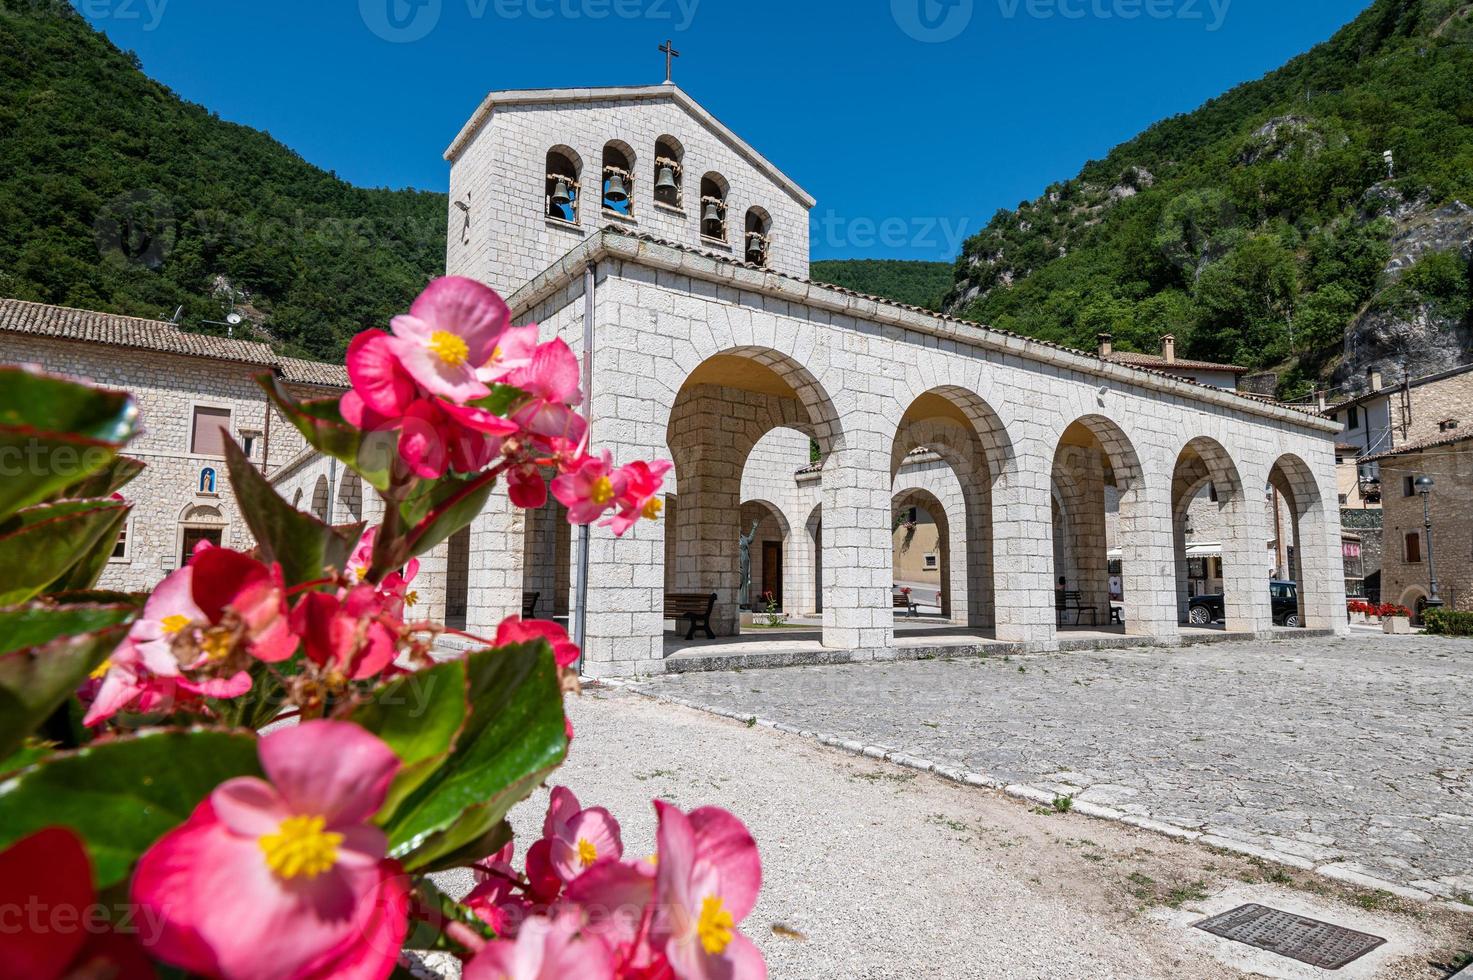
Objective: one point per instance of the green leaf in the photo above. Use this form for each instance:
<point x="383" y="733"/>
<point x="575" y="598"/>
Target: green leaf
<point x="38" y="623"/>
<point x="91" y="563"/>
<point x="108" y="480"/>
<point x="370" y="455"/>
<point x="35" y="679"/>
<point x="513" y="739"/>
<point x="467" y="854"/>
<point x="501" y="399"/>
<point x="121" y="796"/>
<point x="419" y="715"/>
<point x="38" y="544"/>
<point x="24" y="757"/>
<point x="303" y="545"/>
<point x="455" y="504"/>
<point x="54" y="433"/>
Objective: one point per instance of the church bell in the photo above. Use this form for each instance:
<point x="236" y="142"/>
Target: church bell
<point x="712" y="219"/>
<point x="616" y="192"/>
<point x="560" y="192"/>
<point x="666" y="180"/>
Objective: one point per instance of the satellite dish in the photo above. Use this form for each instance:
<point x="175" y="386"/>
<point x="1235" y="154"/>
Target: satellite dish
<point x="233" y="319"/>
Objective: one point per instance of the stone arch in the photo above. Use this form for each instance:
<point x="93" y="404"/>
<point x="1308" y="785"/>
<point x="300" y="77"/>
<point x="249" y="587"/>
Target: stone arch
<point x="1203" y="464"/>
<point x="617" y="178"/>
<point x="1095" y="463"/>
<point x="320" y="498"/>
<point x="924" y="499"/>
<point x="813" y="531"/>
<point x="758" y="235"/>
<point x="669" y="148"/>
<point x="350" y="497"/>
<point x="1309" y="564"/>
<point x="764" y="519"/>
<point x="728" y="402"/>
<point x="714" y="191"/>
<point x="564" y="175"/>
<point x="199" y="522"/>
<point x="968" y="435"/>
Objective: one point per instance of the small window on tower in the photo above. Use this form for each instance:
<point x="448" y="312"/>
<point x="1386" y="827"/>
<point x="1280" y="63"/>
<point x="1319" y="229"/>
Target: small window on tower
<point x="759" y="235"/>
<point x="714" y="189"/>
<point x="562" y="185"/>
<point x="618" y="177"/>
<point x="669" y="181"/>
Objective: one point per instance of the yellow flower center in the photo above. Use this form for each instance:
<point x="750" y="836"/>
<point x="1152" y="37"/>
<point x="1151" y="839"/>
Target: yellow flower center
<point x="362" y="572"/>
<point x="101" y="671"/>
<point x="449" y="347"/>
<point x="300" y="848"/>
<point x="173" y="624"/>
<point x="652" y="508"/>
<point x="602" y="492"/>
<point x="411" y="597"/>
<point x="587" y="853"/>
<point x="715" y="926"/>
<point x="216" y="644"/>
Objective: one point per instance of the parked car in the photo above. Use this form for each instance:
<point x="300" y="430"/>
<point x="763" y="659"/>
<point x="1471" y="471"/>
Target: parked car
<point x="1205" y="609"/>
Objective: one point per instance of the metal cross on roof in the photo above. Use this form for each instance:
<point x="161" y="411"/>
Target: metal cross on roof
<point x="668" y="48"/>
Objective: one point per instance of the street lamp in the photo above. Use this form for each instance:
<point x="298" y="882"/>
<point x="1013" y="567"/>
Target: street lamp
<point x="1424" y="485"/>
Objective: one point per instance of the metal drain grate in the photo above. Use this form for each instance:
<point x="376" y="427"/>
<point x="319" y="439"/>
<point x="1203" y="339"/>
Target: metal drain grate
<point x="1298" y="937"/>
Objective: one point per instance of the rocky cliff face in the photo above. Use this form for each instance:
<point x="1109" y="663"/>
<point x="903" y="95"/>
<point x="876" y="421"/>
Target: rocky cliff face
<point x="1417" y="340"/>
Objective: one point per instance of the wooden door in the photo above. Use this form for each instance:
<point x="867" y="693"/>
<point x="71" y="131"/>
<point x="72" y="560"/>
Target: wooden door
<point x="193" y="536"/>
<point x="772" y="574"/>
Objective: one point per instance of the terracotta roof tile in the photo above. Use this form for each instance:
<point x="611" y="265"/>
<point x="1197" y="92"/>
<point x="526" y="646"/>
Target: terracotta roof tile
<point x="1162" y="364"/>
<point x="318" y="373"/>
<point x="1416" y="447"/>
<point x="40" y="319"/>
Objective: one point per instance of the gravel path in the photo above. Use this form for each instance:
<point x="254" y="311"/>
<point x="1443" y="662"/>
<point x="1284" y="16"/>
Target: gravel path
<point x="1354" y="756"/>
<point x="888" y="872"/>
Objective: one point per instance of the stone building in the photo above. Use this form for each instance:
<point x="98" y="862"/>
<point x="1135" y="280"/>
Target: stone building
<point x="192" y="390"/>
<point x="1409" y="558"/>
<point x="696" y="348"/>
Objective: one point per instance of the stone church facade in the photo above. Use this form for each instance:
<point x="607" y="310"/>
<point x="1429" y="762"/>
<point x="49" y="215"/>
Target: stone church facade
<point x="699" y="349"/>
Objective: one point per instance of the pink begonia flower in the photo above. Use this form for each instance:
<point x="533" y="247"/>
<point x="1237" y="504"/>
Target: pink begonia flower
<point x="552" y="427"/>
<point x="706" y="881"/>
<point x="496" y="903"/>
<point x="580" y="838"/>
<point x="362" y="559"/>
<point x="526" y="486"/>
<point x="640" y="499"/>
<point x="515" y="629"/>
<point x="283" y="878"/>
<point x="229" y="580"/>
<point x="451" y="329"/>
<point x="545" y="949"/>
<point x="126" y="682"/>
<point x="616" y="902"/>
<point x="379" y="380"/>
<point x="347" y="633"/>
<point x="513" y="352"/>
<point x="590" y="489"/>
<point x="551" y="374"/>
<point x="169" y="610"/>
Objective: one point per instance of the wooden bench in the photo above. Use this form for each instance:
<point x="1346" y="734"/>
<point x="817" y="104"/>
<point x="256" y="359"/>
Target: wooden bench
<point x="1073" y="602"/>
<point x="692" y="606"/>
<point x="904" y="601"/>
<point x="529" y="604"/>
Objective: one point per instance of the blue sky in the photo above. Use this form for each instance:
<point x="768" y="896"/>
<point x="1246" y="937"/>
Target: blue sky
<point x="911" y="121"/>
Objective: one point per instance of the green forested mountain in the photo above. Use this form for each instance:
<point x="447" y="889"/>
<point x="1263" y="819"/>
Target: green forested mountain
<point x="1259" y="229"/>
<point x="116" y="195"/>
<point x="916" y="283"/>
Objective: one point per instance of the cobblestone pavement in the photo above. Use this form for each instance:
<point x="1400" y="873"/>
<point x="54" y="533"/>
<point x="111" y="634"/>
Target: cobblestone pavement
<point x="1353" y="756"/>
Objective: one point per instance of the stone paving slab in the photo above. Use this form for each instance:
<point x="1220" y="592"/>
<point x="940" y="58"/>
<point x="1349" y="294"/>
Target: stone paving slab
<point x="1351" y="756"/>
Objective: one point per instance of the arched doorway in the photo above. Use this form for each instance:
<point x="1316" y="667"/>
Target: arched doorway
<point x="1213" y="543"/>
<point x="1302" y="566"/>
<point x="921" y="563"/>
<point x="725" y="406"/>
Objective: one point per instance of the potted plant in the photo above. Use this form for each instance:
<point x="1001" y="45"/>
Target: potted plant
<point x="1358" y="610"/>
<point x="1395" y="619"/>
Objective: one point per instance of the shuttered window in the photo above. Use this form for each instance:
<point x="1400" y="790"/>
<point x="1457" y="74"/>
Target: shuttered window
<point x="208" y="437"/>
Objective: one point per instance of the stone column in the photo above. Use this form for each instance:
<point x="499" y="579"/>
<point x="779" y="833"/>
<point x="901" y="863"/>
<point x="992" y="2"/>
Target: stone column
<point x="1179" y="524"/>
<point x="1148" y="557"/>
<point x="977" y="554"/>
<point x="1022" y="507"/>
<point x="858" y="613"/>
<point x="497" y="560"/>
<point x="1246" y="604"/>
<point x="1318" y="553"/>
